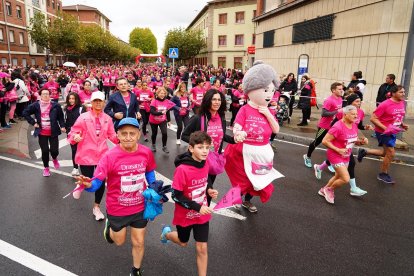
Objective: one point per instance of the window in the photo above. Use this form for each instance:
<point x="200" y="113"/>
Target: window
<point x="24" y="62"/>
<point x="254" y="39"/>
<point x="254" y="13"/>
<point x="4" y="61"/>
<point x="33" y="61"/>
<point x="316" y="29"/>
<point x="14" y="61"/>
<point x="11" y="35"/>
<point x="1" y="35"/>
<point x="239" y="40"/>
<point x="53" y="4"/>
<point x="21" y="38"/>
<point x="8" y="8"/>
<point x="221" y="62"/>
<point x="58" y="7"/>
<point x="239" y="17"/>
<point x="48" y="3"/>
<point x="36" y="3"/>
<point x="238" y="62"/>
<point x="222" y="40"/>
<point x="18" y="12"/>
<point x="268" y="39"/>
<point x="223" y="18"/>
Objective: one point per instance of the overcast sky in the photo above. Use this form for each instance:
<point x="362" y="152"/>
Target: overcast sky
<point x="158" y="15"/>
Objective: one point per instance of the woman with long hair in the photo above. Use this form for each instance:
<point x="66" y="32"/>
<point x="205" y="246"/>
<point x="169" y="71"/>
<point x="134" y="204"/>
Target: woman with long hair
<point x="289" y="85"/>
<point x="181" y="109"/>
<point x="73" y="110"/>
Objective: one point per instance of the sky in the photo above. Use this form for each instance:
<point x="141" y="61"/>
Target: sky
<point x="159" y="15"/>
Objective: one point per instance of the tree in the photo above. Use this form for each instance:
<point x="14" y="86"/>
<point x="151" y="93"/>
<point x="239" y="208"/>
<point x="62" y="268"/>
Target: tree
<point x="144" y="39"/>
<point x="189" y="42"/>
<point x="39" y="31"/>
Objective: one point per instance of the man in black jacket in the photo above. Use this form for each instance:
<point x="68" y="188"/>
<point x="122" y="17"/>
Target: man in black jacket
<point x="122" y="103"/>
<point x="385" y="88"/>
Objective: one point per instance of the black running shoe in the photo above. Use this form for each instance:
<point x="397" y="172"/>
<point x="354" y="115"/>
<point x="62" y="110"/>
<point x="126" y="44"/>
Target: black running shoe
<point x="361" y="154"/>
<point x="135" y="272"/>
<point x="107" y="236"/>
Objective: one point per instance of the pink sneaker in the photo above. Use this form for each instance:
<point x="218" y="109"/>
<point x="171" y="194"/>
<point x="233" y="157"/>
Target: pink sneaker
<point x="321" y="192"/>
<point x="329" y="195"/>
<point x="56" y="164"/>
<point x="76" y="194"/>
<point x="46" y="172"/>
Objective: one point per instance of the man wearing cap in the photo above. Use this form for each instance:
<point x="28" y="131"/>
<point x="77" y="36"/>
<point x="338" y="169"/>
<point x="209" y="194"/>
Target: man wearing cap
<point x="91" y="131"/>
<point x="126" y="167"/>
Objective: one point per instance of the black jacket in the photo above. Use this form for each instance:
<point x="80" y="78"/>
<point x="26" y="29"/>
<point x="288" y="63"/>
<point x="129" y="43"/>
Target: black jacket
<point x="71" y="116"/>
<point x="56" y="117"/>
<point x="195" y="124"/>
<point x="305" y="100"/>
<point x="116" y="104"/>
<point x="177" y="107"/>
<point x="383" y="91"/>
<point x="289" y="86"/>
<point x="178" y="196"/>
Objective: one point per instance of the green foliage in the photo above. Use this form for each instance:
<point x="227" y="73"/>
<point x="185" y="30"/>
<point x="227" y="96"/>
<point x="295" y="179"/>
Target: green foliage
<point x="189" y="42"/>
<point x="67" y="37"/>
<point x="144" y="39"/>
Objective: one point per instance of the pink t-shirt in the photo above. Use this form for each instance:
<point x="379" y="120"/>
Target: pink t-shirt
<point x="360" y="116"/>
<point x="240" y="95"/>
<point x="125" y="173"/>
<point x="144" y="98"/>
<point x="192" y="182"/>
<point x="390" y="113"/>
<point x="332" y="103"/>
<point x="185" y="102"/>
<point x="106" y="80"/>
<point x="160" y="106"/>
<point x="215" y="131"/>
<point x="74" y="87"/>
<point x="344" y="138"/>
<point x="53" y="88"/>
<point x="46" y="129"/>
<point x="198" y="94"/>
<point x="255" y="125"/>
<point x="84" y="96"/>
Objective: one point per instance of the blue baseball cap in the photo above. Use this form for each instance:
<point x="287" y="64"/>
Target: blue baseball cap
<point x="128" y="121"/>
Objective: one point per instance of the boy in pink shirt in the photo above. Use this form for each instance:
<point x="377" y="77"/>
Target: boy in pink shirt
<point x="127" y="168"/>
<point x="190" y="189"/>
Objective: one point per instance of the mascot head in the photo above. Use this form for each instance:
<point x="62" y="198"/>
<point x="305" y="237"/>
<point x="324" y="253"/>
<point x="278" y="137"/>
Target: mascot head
<point x="259" y="83"/>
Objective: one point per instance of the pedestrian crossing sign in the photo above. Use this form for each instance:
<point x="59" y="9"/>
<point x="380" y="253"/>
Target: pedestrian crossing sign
<point x="173" y="53"/>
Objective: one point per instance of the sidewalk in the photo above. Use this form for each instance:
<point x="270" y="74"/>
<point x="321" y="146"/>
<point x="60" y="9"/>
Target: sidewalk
<point x="305" y="135"/>
<point x="14" y="140"/>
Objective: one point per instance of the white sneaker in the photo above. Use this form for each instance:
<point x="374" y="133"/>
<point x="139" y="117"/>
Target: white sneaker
<point x="75" y="172"/>
<point x="357" y="192"/>
<point x="178" y="142"/>
<point x="98" y="214"/>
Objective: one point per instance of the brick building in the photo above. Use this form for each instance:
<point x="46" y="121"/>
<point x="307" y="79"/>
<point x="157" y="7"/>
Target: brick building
<point x="88" y="15"/>
<point x="16" y="47"/>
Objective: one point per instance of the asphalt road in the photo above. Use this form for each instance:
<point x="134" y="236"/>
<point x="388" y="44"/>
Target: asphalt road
<point x="296" y="233"/>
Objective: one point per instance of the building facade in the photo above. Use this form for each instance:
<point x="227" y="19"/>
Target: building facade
<point x="16" y="47"/>
<point x="88" y="15"/>
<point x="332" y="39"/>
<point x="229" y="30"/>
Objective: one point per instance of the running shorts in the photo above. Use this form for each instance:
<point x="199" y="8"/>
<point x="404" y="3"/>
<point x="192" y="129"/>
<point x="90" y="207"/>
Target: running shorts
<point x="135" y="221"/>
<point x="386" y="140"/>
<point x="200" y="232"/>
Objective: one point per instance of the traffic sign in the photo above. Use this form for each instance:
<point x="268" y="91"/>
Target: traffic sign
<point x="173" y="53"/>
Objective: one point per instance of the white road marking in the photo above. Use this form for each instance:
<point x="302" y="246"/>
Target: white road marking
<point x="63" y="163"/>
<point x="31" y="261"/>
<point x="62" y="143"/>
<point x="159" y="176"/>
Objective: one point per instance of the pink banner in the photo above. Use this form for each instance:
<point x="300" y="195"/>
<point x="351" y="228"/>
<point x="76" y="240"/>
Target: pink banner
<point x="232" y="197"/>
<point x="392" y="129"/>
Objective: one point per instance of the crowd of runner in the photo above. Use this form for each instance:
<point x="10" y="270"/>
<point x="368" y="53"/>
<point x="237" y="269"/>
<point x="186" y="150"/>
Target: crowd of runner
<point x="120" y="103"/>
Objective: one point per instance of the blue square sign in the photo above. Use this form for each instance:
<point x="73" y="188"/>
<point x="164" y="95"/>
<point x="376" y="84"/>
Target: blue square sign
<point x="173" y="52"/>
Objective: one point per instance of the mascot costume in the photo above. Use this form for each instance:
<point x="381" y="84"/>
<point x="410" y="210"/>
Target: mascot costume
<point x="249" y="164"/>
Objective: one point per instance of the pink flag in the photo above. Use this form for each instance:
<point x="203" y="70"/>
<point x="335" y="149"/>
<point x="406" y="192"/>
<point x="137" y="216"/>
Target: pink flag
<point x="232" y="197"/>
<point x="392" y="129"/>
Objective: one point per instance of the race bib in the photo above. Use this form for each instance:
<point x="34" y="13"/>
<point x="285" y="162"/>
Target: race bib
<point x="132" y="183"/>
<point x="261" y="169"/>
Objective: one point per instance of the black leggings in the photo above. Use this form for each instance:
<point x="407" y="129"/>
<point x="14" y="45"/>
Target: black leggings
<point x="318" y="139"/>
<point x="88" y="171"/>
<point x="291" y="103"/>
<point x="234" y="111"/>
<point x="351" y="166"/>
<point x="74" y="148"/>
<point x="180" y="120"/>
<point x="145" y="118"/>
<point x="19" y="109"/>
<point x="44" y="142"/>
<point x="3" y="112"/>
<point x="106" y="90"/>
<point x="306" y="112"/>
<point x="154" y="131"/>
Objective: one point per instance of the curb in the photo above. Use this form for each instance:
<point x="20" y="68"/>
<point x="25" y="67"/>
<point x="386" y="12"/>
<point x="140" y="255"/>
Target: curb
<point x="399" y="157"/>
<point x="23" y="140"/>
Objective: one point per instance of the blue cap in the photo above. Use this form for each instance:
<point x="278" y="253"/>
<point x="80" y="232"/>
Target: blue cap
<point x="128" y="121"/>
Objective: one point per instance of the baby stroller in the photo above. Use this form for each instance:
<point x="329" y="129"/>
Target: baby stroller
<point x="282" y="113"/>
